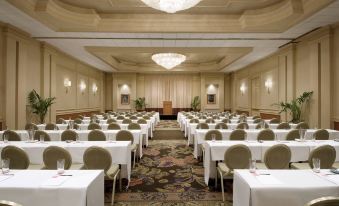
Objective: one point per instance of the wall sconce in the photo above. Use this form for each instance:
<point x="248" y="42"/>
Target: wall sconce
<point x="94" y="89"/>
<point x="82" y="87"/>
<point x="242" y="89"/>
<point x="67" y="84"/>
<point x="268" y="85"/>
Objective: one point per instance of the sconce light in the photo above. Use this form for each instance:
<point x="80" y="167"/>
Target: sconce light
<point x="82" y="87"/>
<point x="94" y="89"/>
<point x="268" y="85"/>
<point x="67" y="84"/>
<point x="242" y="89"/>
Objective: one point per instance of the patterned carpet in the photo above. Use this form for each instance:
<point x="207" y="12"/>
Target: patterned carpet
<point x="168" y="125"/>
<point x="169" y="175"/>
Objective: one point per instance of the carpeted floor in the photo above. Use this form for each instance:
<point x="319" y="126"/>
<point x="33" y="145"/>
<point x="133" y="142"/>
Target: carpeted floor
<point x="168" y="125"/>
<point x="168" y="174"/>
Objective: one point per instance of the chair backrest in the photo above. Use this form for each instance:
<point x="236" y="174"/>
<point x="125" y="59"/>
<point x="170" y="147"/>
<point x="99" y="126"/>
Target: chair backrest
<point x="258" y="120"/>
<point x="29" y="126"/>
<point x="266" y="135"/>
<point x="324" y="201"/>
<point x="142" y="121"/>
<point x="124" y="135"/>
<point x="133" y="117"/>
<point x="92" y="126"/>
<point x="54" y="153"/>
<point x="284" y="125"/>
<point x="292" y="135"/>
<point x="215" y="117"/>
<point x="326" y="154"/>
<point x="277" y="157"/>
<point x="11" y="135"/>
<point x="209" y="120"/>
<point x="38" y="133"/>
<point x="256" y="117"/>
<point x="96" y="135"/>
<point x="113" y="126"/>
<point x="237" y="157"/>
<point x="226" y="121"/>
<point x="194" y="121"/>
<point x="126" y="121"/>
<point x="95" y="121"/>
<point x="133" y="126"/>
<point x="109" y="121"/>
<point x="321" y="134"/>
<point x="97" y="158"/>
<point x="18" y="158"/>
<point x="204" y="117"/>
<point x="51" y="126"/>
<point x="8" y="203"/>
<point x="190" y="117"/>
<point x="78" y="121"/>
<point x="302" y="125"/>
<point x="61" y="121"/>
<point x="221" y="125"/>
<point x="218" y="135"/>
<point x="202" y="126"/>
<point x="242" y="125"/>
<point x="259" y="125"/>
<point x="68" y="135"/>
<point x="146" y="117"/>
<point x="238" y="134"/>
<point x="80" y="117"/>
<point x="274" y="121"/>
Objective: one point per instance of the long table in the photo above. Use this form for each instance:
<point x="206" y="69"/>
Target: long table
<point x="44" y="187"/>
<point x="282" y="187"/>
<point x="214" y="151"/>
<point x="83" y="136"/>
<point x="199" y="137"/>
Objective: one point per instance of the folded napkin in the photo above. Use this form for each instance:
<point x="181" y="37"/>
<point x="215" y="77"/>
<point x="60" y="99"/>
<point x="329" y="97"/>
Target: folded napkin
<point x="55" y="180"/>
<point x="268" y="180"/>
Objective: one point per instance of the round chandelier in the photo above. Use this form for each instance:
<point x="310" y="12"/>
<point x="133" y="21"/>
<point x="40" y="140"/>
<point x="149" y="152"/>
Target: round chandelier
<point x="168" y="60"/>
<point x="171" y="6"/>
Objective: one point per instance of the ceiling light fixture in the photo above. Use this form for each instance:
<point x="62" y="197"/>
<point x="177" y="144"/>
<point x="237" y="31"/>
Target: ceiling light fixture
<point x="168" y="60"/>
<point x="171" y="6"/>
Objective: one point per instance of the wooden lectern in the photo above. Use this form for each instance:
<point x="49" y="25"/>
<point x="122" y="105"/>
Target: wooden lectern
<point x="167" y="109"/>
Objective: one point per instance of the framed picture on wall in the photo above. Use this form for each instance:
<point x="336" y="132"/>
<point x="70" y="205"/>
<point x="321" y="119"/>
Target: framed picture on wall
<point x="125" y="99"/>
<point x="211" y="99"/>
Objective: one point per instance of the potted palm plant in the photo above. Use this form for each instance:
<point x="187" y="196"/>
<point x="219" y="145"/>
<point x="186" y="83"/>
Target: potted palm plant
<point x="195" y="103"/>
<point x="39" y="105"/>
<point x="140" y="104"/>
<point x="296" y="107"/>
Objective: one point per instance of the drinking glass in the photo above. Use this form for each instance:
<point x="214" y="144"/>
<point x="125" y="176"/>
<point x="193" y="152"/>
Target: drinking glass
<point x="77" y="138"/>
<point x="262" y="125"/>
<point x="71" y="124"/>
<point x="316" y="164"/>
<point x="213" y="137"/>
<point x="31" y="134"/>
<point x="276" y="138"/>
<point x="42" y="138"/>
<point x="252" y="165"/>
<point x="302" y="134"/>
<point x="5" y="166"/>
<point x="60" y="166"/>
<point x="246" y="136"/>
<point x="5" y="136"/>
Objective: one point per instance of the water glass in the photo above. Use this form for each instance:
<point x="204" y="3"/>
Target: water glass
<point x="246" y="137"/>
<point x="31" y="134"/>
<point x="302" y="134"/>
<point x="60" y="166"/>
<point x="5" y="166"/>
<point x="316" y="164"/>
<point x="252" y="165"/>
<point x="276" y="138"/>
<point x="213" y="137"/>
<point x="5" y="136"/>
<point x="42" y="138"/>
<point x="77" y="138"/>
<point x="70" y="124"/>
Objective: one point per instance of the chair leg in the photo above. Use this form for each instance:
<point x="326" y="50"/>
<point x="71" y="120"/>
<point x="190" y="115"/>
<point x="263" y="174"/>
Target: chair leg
<point x="216" y="180"/>
<point x="113" y="189"/>
<point x="222" y="186"/>
<point x="120" y="181"/>
<point x="134" y="159"/>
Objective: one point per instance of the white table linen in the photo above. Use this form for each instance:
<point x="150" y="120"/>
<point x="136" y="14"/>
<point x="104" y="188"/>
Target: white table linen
<point x="29" y="188"/>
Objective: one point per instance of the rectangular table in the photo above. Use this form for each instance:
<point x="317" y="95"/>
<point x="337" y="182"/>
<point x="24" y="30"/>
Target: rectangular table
<point x="44" y="187"/>
<point x="120" y="151"/>
<point x="215" y="151"/>
<point x="199" y="137"/>
<point x="282" y="187"/>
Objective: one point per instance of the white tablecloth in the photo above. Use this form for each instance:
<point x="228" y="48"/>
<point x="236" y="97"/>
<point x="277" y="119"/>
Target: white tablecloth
<point x="199" y="137"/>
<point x="215" y="151"/>
<point x="282" y="187"/>
<point x="120" y="151"/>
<point x="35" y="188"/>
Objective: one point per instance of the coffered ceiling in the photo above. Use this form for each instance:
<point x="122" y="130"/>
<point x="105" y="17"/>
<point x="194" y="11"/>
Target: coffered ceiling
<point x="121" y="35"/>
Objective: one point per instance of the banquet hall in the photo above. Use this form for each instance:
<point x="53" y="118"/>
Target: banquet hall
<point x="169" y="102"/>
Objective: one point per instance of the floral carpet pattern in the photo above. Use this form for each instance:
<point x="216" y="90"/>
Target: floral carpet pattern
<point x="167" y="125"/>
<point x="168" y="174"/>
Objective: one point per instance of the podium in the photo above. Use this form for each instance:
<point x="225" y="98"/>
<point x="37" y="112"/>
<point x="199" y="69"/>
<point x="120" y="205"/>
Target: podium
<point x="167" y="108"/>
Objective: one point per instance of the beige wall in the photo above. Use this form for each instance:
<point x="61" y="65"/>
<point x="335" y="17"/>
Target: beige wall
<point x="28" y="64"/>
<point x="294" y="69"/>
